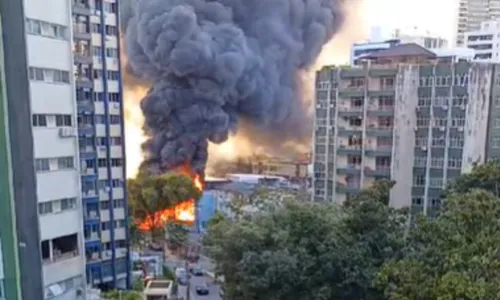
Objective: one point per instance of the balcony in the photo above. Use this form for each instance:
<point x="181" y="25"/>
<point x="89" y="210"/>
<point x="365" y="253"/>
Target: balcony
<point x="382" y="131"/>
<point x="87" y="152"/>
<point x="81" y="31"/>
<point x="349" y="188"/>
<point x="381" y="110"/>
<point x="383" y="72"/>
<point x="92" y="237"/>
<point x="85" y="106"/>
<point x="352" y="73"/>
<point x="350" y="169"/>
<point x="91" y="216"/>
<point x="349" y="149"/>
<point x="350" y="111"/>
<point x="379" y="172"/>
<point x="349" y="130"/>
<point x="59" y="249"/>
<point x="92" y="257"/>
<point x="90" y="195"/>
<point x="82" y="56"/>
<point x="379" y="151"/>
<point x="81" y="8"/>
<point x="85" y="130"/>
<point x="382" y="93"/>
<point x="83" y="81"/>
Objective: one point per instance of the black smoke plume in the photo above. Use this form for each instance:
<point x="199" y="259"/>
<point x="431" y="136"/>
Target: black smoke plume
<point x="213" y="64"/>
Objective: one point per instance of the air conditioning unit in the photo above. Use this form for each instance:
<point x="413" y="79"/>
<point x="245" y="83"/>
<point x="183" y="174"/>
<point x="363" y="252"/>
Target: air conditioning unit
<point x="462" y="107"/>
<point x="445" y="107"/>
<point x="460" y="129"/>
<point x="442" y="128"/>
<point x="66" y="132"/>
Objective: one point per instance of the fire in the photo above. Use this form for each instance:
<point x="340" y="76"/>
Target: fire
<point x="184" y="211"/>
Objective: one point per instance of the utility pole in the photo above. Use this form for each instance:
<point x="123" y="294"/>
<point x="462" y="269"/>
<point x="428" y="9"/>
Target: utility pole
<point x="188" y="279"/>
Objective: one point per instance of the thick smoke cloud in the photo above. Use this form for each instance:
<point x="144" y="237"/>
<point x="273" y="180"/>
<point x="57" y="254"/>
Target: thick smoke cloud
<point x="215" y="63"/>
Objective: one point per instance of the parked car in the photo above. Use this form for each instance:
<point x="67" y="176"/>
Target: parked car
<point x="196" y="271"/>
<point x="202" y="289"/>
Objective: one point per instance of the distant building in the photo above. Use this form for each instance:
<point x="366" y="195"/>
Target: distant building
<point x="471" y="13"/>
<point x="360" y="50"/>
<point x="485" y="41"/>
<point x="405" y="115"/>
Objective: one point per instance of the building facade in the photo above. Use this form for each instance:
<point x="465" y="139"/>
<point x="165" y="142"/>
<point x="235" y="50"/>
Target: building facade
<point x="471" y="13"/>
<point x="100" y="122"/>
<point x="485" y="41"/>
<point x="421" y="123"/>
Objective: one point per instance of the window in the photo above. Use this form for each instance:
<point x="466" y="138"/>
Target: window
<point x="114" y="119"/>
<point x="67" y="162"/>
<point x="417" y="201"/>
<point x="460" y="100"/>
<point x="118" y="203"/>
<point x="423" y="121"/>
<point x="113" y="75"/>
<point x="42" y="164"/>
<point x="354" y="160"/>
<point x="496" y="122"/>
<point x="419" y="180"/>
<point x="111" y="52"/>
<point x="355" y="122"/>
<point x="100" y="119"/>
<point x="440" y="122"/>
<point x="39" y="120"/>
<point x="438" y="141"/>
<point x="437" y="162"/>
<point x="46" y="29"/>
<point x="116" y="141"/>
<point x="119" y="223"/>
<point x="385" y="122"/>
<point x="440" y="101"/>
<point x="96" y="50"/>
<point x="45" y="208"/>
<point x="111" y="30"/>
<point x="421" y="141"/>
<point x="458" y="122"/>
<point x="114" y="97"/>
<point x="420" y="161"/>
<point x="102" y="163"/>
<point x="455" y="163"/>
<point x="48" y="75"/>
<point x="116" y="162"/>
<point x="436" y="182"/>
<point x="495" y="142"/>
<point x="104" y="204"/>
<point x="116" y="183"/>
<point x="424" y="101"/>
<point x="68" y="203"/>
<point x="63" y="120"/>
<point x="105" y="226"/>
<point x="456" y="142"/>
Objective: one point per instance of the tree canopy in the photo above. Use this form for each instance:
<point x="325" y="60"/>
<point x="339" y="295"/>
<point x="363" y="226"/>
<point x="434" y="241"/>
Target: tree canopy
<point x="366" y="250"/>
<point x="149" y="195"/>
<point x="307" y="250"/>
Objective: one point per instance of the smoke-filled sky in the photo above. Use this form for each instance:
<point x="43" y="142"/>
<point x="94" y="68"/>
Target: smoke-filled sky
<point x="360" y="17"/>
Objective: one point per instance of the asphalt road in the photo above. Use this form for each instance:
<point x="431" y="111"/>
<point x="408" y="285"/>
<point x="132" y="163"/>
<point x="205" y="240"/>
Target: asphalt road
<point x="205" y="265"/>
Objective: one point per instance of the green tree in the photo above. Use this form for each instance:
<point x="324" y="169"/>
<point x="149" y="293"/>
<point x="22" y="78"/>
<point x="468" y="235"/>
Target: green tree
<point x="309" y="251"/>
<point x="456" y="256"/>
<point x="485" y="176"/>
<point x="150" y="194"/>
<point x="216" y="219"/>
<point x="177" y="235"/>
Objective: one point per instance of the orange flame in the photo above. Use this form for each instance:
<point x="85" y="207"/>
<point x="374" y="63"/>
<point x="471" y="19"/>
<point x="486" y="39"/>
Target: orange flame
<point x="184" y="211"/>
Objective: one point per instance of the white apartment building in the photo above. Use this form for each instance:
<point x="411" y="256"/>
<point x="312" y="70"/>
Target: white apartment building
<point x="485" y="41"/>
<point x="53" y="105"/>
<point x="471" y="13"/>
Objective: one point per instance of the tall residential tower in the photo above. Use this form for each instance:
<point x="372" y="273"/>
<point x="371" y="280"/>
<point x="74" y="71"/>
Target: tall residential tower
<point x="407" y="116"/>
<point x="471" y="13"/>
<point x="100" y="121"/>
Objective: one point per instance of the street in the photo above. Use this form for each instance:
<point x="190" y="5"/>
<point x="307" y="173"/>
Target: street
<point x="173" y="262"/>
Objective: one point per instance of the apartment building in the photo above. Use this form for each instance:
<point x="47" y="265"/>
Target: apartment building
<point x="471" y="13"/>
<point x="407" y="116"/>
<point x="101" y="140"/>
<point x="20" y="264"/>
<point x="485" y="41"/>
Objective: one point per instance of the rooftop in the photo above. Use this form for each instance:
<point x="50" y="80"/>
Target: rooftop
<point x="410" y="49"/>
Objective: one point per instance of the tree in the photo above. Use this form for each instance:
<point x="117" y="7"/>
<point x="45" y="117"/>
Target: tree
<point x="485" y="176"/>
<point x="308" y="250"/>
<point x="455" y="256"/>
<point x="177" y="235"/>
<point x="150" y="195"/>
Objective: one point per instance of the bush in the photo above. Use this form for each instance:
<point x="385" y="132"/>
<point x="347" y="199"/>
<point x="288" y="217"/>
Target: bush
<point x="168" y="274"/>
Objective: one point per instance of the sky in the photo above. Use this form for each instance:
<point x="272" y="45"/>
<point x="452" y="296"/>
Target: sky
<point x="436" y="16"/>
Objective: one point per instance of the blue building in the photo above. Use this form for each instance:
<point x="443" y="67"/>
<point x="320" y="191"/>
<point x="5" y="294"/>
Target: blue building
<point x="101" y="141"/>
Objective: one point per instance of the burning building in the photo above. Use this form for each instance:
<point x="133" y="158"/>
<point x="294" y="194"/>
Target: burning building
<point x="213" y="68"/>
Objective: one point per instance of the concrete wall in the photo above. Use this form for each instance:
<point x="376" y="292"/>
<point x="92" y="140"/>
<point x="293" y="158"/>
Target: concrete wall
<point x="404" y="135"/>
